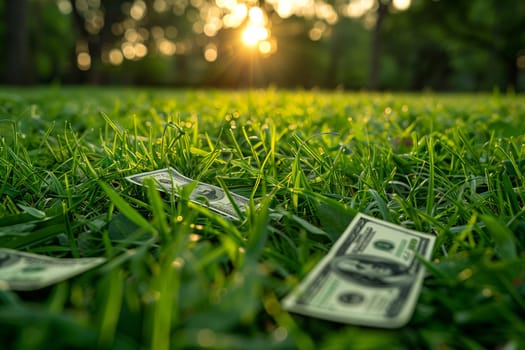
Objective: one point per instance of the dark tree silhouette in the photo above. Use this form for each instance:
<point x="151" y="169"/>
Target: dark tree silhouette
<point x="96" y="41"/>
<point x="488" y="25"/>
<point x="17" y="55"/>
<point x="375" y="54"/>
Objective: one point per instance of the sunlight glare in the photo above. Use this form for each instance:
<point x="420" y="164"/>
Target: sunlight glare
<point x="265" y="47"/>
<point x="237" y="15"/>
<point x="256" y="15"/>
<point x="252" y="35"/>
<point x="357" y="8"/>
<point x="284" y="9"/>
<point x="287" y="8"/>
<point x="255" y="31"/>
<point x="326" y="12"/>
<point x="401" y="5"/>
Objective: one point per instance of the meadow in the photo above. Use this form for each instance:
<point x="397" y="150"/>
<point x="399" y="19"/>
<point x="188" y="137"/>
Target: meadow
<point x="180" y="276"/>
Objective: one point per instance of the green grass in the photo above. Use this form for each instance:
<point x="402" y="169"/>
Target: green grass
<point x="180" y="276"/>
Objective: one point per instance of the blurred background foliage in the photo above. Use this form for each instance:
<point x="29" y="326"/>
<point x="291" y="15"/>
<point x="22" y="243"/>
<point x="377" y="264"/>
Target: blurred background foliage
<point x="355" y="44"/>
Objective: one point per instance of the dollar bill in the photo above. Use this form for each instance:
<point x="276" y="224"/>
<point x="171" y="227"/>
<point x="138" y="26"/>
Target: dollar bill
<point x="205" y="194"/>
<point x="27" y="271"/>
<point x="372" y="276"/>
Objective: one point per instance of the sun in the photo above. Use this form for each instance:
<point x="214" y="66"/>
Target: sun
<point x="256" y="30"/>
<point x="253" y="35"/>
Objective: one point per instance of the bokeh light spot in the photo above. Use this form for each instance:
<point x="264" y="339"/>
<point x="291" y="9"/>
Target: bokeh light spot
<point x="160" y="6"/>
<point x="520" y="61"/>
<point x="206" y="337"/>
<point x="167" y="47"/>
<point x="140" y="50"/>
<point x="210" y="53"/>
<point x="315" y="34"/>
<point x="265" y="47"/>
<point x="256" y="16"/>
<point x="128" y="50"/>
<point x="84" y="61"/>
<point x="64" y="7"/>
<point x="138" y="10"/>
<point x="252" y="35"/>
<point x="115" y="57"/>
<point x="401" y="5"/>
<point x="357" y="8"/>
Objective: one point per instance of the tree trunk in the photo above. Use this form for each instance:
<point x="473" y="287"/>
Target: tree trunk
<point x="96" y="42"/>
<point x="512" y="73"/>
<point x="375" y="54"/>
<point x="17" y="68"/>
<point x="336" y="50"/>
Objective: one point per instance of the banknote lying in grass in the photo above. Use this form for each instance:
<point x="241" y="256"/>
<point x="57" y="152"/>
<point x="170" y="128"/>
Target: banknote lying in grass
<point x="27" y="271"/>
<point x="372" y="276"/>
<point x="205" y="194"/>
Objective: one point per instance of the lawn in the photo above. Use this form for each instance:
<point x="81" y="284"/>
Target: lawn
<point x="180" y="276"/>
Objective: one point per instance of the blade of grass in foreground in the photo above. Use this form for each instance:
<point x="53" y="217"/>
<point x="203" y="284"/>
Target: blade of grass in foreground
<point x="126" y="209"/>
<point x="434" y="163"/>
<point x="503" y="238"/>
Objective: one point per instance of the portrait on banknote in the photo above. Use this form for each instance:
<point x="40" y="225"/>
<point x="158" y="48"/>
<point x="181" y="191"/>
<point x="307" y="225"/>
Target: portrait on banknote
<point x="371" y="270"/>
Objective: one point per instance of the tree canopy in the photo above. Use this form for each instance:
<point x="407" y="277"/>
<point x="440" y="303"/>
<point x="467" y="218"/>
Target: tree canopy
<point x="374" y="44"/>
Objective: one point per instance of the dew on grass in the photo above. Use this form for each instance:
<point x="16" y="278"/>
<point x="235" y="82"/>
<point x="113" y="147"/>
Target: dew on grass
<point x="487" y="292"/>
<point x="194" y="237"/>
<point x="178" y="263"/>
<point x="206" y="337"/>
<point x="280" y="334"/>
<point x="465" y="274"/>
